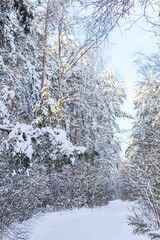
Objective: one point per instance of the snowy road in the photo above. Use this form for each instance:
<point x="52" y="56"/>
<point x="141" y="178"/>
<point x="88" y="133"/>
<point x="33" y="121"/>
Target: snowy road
<point x="106" y="223"/>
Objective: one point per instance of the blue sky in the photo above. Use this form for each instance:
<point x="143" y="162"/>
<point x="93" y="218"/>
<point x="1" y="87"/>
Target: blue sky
<point x="122" y="51"/>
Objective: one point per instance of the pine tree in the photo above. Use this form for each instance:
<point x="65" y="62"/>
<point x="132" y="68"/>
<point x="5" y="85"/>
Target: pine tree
<point x="143" y="154"/>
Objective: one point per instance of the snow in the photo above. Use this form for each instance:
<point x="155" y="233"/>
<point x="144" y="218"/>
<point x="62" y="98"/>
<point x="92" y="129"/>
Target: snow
<point x="105" y="223"/>
<point x="22" y="145"/>
<point x="3" y="110"/>
<point x="21" y="136"/>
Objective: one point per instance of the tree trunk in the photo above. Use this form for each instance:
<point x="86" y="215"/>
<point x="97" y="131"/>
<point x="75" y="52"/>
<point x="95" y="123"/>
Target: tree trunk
<point x="45" y="42"/>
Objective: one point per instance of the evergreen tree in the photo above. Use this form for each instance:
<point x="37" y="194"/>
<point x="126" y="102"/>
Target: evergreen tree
<point x="143" y="182"/>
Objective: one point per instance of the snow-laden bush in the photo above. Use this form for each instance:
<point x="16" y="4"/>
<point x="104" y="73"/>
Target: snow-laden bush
<point x="26" y="144"/>
<point x="30" y="159"/>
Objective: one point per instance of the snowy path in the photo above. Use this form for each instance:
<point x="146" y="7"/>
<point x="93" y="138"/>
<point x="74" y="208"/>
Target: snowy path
<point x="106" y="223"/>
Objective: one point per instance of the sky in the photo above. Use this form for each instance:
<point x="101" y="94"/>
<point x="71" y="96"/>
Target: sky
<point x="122" y="49"/>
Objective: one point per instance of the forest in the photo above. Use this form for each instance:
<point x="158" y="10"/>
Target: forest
<point x="60" y="106"/>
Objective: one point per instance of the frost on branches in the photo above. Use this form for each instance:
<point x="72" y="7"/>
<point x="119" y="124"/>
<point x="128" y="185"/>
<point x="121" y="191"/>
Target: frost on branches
<point x="142" y="170"/>
<point x="25" y="142"/>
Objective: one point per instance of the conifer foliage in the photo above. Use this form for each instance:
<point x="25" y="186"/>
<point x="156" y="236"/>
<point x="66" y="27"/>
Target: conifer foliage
<point x="58" y="147"/>
<point x="141" y="172"/>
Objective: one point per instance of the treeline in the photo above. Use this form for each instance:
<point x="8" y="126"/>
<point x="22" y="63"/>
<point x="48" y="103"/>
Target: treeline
<point x="140" y="174"/>
<point x="53" y="95"/>
<point x="59" y="107"/>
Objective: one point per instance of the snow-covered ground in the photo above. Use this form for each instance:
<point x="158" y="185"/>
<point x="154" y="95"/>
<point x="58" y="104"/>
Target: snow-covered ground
<point x="105" y="223"/>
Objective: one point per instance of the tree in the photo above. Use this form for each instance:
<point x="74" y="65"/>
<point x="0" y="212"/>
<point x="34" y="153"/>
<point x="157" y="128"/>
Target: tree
<point x="143" y="156"/>
<point x="45" y="68"/>
<point x="104" y="15"/>
<point x="20" y="57"/>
